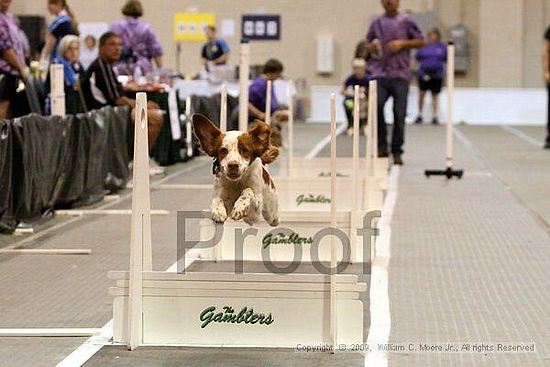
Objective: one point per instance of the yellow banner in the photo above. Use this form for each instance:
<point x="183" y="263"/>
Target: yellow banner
<point x="191" y="26"/>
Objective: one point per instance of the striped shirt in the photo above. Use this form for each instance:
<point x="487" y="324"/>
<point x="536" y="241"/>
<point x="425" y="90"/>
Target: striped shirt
<point x="100" y="85"/>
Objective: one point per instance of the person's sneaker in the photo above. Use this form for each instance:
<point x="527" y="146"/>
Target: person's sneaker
<point x="418" y="120"/>
<point x="349" y="131"/>
<point x="547" y="145"/>
<point x="435" y="121"/>
<point x="397" y="159"/>
<point x="154" y="168"/>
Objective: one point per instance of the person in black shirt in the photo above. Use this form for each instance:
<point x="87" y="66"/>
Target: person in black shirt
<point x="101" y="87"/>
<point x="546" y="75"/>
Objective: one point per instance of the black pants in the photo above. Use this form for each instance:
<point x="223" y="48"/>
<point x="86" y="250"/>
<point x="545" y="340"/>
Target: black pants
<point x="548" y="118"/>
<point x="397" y="88"/>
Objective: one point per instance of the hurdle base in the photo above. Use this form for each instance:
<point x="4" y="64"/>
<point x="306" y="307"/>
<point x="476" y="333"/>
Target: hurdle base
<point x="449" y="173"/>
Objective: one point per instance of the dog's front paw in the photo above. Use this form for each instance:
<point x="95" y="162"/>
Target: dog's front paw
<point x="219" y="214"/>
<point x="240" y="210"/>
<point x="274" y="222"/>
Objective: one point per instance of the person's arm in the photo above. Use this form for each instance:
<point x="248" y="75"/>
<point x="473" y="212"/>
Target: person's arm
<point x="370" y="46"/>
<point x="399" y="45"/>
<point x="545" y="60"/>
<point x="256" y="112"/>
<point x="158" y="61"/>
<point x="11" y="57"/>
<point x="125" y="101"/>
<point x="48" y="47"/>
<point x="222" y="59"/>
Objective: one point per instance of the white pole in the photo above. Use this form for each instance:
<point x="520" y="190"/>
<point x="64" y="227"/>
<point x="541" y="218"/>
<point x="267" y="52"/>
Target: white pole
<point x="290" y="126"/>
<point x="450" y="102"/>
<point x="57" y="90"/>
<point x="223" y="109"/>
<point x="333" y="219"/>
<point x="355" y="162"/>
<point x="140" y="243"/>
<point x="374" y="128"/>
<point x="188" y="127"/>
<point x="370" y="130"/>
<point x="244" y="66"/>
<point x="268" y="103"/>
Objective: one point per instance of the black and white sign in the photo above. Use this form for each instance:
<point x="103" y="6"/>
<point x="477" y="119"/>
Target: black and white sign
<point x="261" y="27"/>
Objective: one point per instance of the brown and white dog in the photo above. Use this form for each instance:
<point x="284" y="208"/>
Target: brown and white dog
<point x="242" y="186"/>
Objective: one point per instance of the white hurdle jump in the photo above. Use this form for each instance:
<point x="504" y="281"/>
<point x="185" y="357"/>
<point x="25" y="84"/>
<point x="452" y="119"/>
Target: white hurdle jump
<point x="305" y="209"/>
<point x="223" y="309"/>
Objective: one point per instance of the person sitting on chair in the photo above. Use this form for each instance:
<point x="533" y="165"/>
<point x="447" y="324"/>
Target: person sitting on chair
<point x="101" y="88"/>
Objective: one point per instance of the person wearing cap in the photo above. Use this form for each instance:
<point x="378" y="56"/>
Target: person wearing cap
<point x="358" y="77"/>
<point x="390" y="38"/>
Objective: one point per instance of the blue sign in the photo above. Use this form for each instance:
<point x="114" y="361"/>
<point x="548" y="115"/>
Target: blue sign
<point x="261" y="27"/>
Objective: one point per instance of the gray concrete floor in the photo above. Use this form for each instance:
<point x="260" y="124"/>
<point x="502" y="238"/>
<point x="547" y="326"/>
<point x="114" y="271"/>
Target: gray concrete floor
<point x="469" y="261"/>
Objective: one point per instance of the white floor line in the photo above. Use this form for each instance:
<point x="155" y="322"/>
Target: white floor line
<point x="49" y="332"/>
<point x="91" y="346"/>
<point x="324" y="142"/>
<point x="523" y="136"/>
<point x="380" y="318"/>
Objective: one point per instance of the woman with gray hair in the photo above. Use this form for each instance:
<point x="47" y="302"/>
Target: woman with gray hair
<point x="68" y="55"/>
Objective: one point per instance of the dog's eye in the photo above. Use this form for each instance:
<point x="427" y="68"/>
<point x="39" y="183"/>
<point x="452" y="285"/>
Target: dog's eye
<point x="244" y="151"/>
<point x="223" y="151"/>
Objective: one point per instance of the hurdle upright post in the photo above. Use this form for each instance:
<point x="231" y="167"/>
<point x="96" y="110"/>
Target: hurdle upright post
<point x="244" y="67"/>
<point x="223" y="108"/>
<point x="57" y="90"/>
<point x="188" y="127"/>
<point x="140" y="242"/>
<point x="268" y="103"/>
<point x="290" y="126"/>
<point x="333" y="303"/>
<point x="369" y="136"/>
<point x="449" y="172"/>
<point x="374" y="139"/>
<point x="355" y="162"/>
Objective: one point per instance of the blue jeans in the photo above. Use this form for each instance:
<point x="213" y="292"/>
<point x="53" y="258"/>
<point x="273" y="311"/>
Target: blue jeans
<point x="397" y="88"/>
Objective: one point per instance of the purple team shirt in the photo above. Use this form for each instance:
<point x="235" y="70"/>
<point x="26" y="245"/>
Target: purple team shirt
<point x="139" y="36"/>
<point x="432" y="59"/>
<point x="257" y="94"/>
<point x="388" y="28"/>
<point x="10" y="40"/>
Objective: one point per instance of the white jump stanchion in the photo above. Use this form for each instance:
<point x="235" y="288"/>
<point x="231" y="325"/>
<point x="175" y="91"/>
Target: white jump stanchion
<point x="188" y="127"/>
<point x="223" y="108"/>
<point x="449" y="172"/>
<point x="355" y="162"/>
<point x="290" y="126"/>
<point x="268" y="103"/>
<point x="57" y="90"/>
<point x="140" y="243"/>
<point x="374" y="144"/>
<point x="244" y="66"/>
<point x="369" y="139"/>
<point x="333" y="300"/>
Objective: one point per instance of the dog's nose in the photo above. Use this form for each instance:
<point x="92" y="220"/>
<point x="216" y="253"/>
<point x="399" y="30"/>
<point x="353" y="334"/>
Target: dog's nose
<point x="233" y="167"/>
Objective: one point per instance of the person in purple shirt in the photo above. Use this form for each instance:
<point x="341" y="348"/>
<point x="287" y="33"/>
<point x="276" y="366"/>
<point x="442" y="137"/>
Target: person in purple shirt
<point x="389" y="39"/>
<point x="140" y="42"/>
<point x="431" y="59"/>
<point x="12" y="58"/>
<point x="257" y="92"/>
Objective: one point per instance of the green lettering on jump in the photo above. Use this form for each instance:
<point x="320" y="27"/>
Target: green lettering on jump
<point x="244" y="316"/>
<point x="312" y="199"/>
<point x="282" y="239"/>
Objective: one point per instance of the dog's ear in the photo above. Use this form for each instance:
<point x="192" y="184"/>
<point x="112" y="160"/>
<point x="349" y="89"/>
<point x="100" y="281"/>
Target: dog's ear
<point x="260" y="133"/>
<point x="210" y="137"/>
